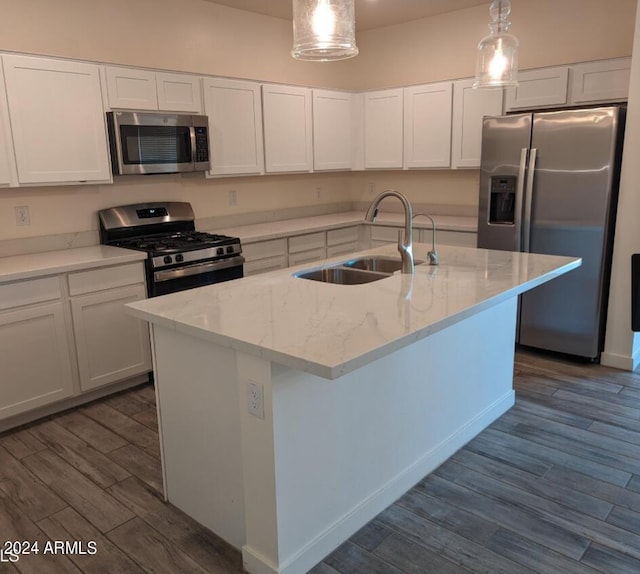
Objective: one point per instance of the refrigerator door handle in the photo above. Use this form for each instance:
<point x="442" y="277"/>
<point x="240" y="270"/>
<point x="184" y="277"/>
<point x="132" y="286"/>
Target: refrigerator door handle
<point x="528" y="199"/>
<point x="519" y="197"/>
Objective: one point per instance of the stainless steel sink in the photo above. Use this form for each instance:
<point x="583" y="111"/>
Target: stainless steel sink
<point x="373" y="263"/>
<point x="341" y="275"/>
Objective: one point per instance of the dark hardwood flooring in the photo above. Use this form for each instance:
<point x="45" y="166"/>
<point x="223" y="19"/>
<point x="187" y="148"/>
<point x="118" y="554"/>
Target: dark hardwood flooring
<point x="553" y="486"/>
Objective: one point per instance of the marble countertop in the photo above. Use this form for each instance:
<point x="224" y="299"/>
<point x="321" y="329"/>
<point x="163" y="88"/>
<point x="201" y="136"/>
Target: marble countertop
<point x="19" y="267"/>
<point x="287" y="227"/>
<point x="329" y="330"/>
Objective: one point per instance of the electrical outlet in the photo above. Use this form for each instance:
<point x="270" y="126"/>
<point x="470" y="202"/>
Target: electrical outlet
<point x="371" y="188"/>
<point x="318" y="193"/>
<point x="233" y="197"/>
<point x="23" y="217"/>
<point x="255" y="399"/>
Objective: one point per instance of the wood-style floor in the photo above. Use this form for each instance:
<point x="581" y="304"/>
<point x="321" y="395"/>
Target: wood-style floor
<point x="552" y="487"/>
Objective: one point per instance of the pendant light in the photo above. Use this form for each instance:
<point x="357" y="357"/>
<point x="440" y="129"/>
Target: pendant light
<point x="497" y="63"/>
<point x="324" y="30"/>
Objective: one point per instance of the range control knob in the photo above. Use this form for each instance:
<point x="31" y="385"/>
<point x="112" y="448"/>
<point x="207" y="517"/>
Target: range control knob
<point x="167" y="259"/>
<point x="179" y="258"/>
<point x="230" y="249"/>
<point x="220" y="251"/>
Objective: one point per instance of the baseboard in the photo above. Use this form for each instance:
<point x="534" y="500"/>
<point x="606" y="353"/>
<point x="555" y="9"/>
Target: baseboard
<point x="313" y="552"/>
<point x="623" y="362"/>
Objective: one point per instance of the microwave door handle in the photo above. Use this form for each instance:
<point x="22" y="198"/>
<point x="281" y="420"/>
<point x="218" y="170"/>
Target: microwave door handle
<point x="192" y="136"/>
<point x="528" y="200"/>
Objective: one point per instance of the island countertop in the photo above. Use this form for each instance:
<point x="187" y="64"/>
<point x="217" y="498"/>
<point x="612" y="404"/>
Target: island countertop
<point x="329" y="330"/>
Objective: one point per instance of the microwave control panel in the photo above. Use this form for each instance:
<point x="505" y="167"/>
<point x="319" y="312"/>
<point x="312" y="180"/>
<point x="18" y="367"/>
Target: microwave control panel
<point x="202" y="144"/>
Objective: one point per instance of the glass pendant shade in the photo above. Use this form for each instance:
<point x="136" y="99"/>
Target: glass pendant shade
<point x="324" y="30"/>
<point x="497" y="63"/>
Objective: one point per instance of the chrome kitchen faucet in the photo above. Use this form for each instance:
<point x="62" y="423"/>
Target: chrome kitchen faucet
<point x="405" y="245"/>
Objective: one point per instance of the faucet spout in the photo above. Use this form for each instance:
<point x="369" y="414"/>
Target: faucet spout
<point x="405" y="243"/>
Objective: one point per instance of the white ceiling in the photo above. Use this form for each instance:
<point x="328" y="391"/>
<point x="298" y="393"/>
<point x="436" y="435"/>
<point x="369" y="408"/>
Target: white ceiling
<point x="369" y="13"/>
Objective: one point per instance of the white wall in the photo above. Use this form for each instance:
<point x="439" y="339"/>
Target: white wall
<point x="202" y="37"/>
<point x="622" y="347"/>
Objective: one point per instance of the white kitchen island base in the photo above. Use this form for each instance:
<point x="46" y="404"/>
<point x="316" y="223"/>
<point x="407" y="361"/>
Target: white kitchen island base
<point x="329" y="454"/>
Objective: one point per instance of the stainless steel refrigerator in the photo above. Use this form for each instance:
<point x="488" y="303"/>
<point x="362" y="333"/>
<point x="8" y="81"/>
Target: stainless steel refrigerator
<point x="548" y="184"/>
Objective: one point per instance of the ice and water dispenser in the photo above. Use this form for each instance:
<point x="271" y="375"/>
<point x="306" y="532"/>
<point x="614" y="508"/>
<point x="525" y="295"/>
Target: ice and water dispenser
<point x="502" y="200"/>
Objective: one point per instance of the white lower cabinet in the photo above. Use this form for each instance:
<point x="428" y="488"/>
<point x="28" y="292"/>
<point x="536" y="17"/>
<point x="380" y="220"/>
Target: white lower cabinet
<point x="343" y="240"/>
<point x="35" y="359"/>
<point x="307" y="248"/>
<point x="263" y="256"/>
<point x="54" y="327"/>
<point x="111" y="344"/>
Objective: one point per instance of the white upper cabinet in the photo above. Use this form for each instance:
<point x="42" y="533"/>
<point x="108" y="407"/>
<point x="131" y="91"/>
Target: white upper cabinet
<point x="57" y="120"/>
<point x="333" y="134"/>
<point x="235" y="126"/>
<point x="383" y="139"/>
<point x="288" y="138"/>
<point x="469" y="107"/>
<point x="136" y="89"/>
<point x="427" y="125"/>
<point x="538" y="88"/>
<point x="607" y="80"/>
<point x="179" y="93"/>
<point x="7" y="162"/>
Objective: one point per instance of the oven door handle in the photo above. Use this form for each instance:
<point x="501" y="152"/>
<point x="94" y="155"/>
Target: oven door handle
<point x="188" y="270"/>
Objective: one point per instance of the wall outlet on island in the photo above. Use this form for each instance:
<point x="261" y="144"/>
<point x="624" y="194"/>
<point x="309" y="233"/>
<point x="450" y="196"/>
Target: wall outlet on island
<point x="255" y="399"/>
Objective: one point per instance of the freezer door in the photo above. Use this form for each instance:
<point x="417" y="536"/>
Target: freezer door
<point x="505" y="143"/>
<point x="571" y="214"/>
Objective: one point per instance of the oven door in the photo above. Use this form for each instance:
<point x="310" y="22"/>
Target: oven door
<point x="195" y="275"/>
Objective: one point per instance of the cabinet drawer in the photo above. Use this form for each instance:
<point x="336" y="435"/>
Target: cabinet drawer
<point x="343" y="248"/>
<point x="307" y="256"/>
<point x="264" y="249"/>
<point x="264" y="265"/>
<point x="306" y="242"/>
<point x="28" y="292"/>
<point x="345" y="235"/>
<point x="105" y="278"/>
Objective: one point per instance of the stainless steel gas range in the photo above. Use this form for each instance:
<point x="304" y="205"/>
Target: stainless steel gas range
<point x="178" y="256"/>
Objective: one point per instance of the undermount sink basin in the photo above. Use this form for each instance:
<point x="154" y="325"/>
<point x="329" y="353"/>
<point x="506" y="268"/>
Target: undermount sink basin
<point x="373" y="263"/>
<point x="341" y="275"/>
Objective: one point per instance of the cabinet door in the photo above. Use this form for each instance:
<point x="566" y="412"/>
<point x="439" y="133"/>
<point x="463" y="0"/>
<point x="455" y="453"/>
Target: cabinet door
<point x="539" y="88"/>
<point x="34" y="354"/>
<point x="111" y="344"/>
<point x="288" y="140"/>
<point x="7" y="164"/>
<point x="179" y="93"/>
<point x="332" y="130"/>
<point x="469" y="107"/>
<point x="131" y="88"/>
<point x="57" y="120"/>
<point x="383" y="129"/>
<point x="427" y="125"/>
<point x="235" y="126"/>
<point x="601" y="81"/>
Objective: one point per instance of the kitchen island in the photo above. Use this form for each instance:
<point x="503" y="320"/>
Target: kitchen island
<point x="293" y="411"/>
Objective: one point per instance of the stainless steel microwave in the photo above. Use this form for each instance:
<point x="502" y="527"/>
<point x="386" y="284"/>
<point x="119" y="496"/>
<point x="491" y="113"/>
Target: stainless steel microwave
<point x="157" y="142"/>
